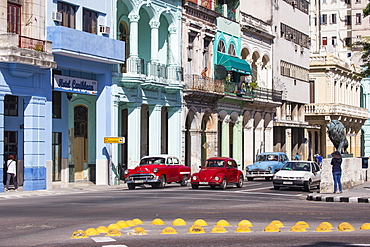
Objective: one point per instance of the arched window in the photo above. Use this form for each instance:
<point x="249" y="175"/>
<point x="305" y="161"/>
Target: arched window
<point x="231" y="51"/>
<point x="124" y="36"/>
<point x="221" y="46"/>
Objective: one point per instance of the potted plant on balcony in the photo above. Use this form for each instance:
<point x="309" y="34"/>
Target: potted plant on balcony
<point x="253" y="85"/>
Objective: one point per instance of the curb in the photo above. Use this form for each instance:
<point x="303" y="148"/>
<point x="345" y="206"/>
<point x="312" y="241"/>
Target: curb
<point x="338" y="199"/>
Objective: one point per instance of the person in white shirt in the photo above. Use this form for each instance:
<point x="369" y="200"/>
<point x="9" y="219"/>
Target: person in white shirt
<point x="11" y="172"/>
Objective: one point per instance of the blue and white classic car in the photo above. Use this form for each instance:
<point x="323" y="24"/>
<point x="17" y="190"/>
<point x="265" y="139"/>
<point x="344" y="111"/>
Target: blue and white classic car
<point x="266" y="165"/>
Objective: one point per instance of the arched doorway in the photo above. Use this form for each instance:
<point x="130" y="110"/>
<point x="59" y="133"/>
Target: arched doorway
<point x="80" y="142"/>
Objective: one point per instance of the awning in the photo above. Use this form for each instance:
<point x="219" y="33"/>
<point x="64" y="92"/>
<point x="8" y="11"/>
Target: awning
<point x="234" y="64"/>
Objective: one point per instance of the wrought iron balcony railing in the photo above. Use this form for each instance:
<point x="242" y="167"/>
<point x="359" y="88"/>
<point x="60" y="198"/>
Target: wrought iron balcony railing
<point x="336" y="109"/>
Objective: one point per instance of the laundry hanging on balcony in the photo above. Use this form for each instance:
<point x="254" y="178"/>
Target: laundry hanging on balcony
<point x="234" y="64"/>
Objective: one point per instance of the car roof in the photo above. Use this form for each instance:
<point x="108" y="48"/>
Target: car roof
<point x="159" y="156"/>
<point x="220" y="158"/>
<point x="301" y="161"/>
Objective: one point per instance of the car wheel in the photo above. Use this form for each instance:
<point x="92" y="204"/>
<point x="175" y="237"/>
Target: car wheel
<point x="267" y="178"/>
<point x="240" y="182"/>
<point x="276" y="187"/>
<point x="194" y="186"/>
<point x="184" y="181"/>
<point x="131" y="186"/>
<point x="224" y="184"/>
<point x="162" y="184"/>
<point x="307" y="186"/>
<point x="250" y="179"/>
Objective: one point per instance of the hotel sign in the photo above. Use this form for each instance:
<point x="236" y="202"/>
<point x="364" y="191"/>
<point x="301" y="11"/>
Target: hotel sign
<point x="75" y="85"/>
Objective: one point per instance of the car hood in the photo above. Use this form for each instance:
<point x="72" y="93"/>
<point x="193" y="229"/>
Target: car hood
<point x="263" y="164"/>
<point x="146" y="168"/>
<point x="290" y="173"/>
<point x="209" y="172"/>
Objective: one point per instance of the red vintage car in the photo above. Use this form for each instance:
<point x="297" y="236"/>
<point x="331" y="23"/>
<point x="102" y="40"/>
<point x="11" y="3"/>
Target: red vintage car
<point x="218" y="171"/>
<point x="157" y="170"/>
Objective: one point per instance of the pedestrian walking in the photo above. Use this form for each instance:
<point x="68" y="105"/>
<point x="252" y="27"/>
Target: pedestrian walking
<point x="11" y="172"/>
<point x="319" y="159"/>
<point x="336" y="163"/>
<point x="296" y="157"/>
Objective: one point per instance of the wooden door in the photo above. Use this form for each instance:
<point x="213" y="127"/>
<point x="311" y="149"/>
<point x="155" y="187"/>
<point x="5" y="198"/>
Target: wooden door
<point x="80" y="143"/>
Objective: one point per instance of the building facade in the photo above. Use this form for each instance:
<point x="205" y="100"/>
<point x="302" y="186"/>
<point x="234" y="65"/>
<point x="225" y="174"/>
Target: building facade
<point x="25" y="92"/>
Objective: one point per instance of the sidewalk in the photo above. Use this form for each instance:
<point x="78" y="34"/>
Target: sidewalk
<point x="61" y="189"/>
<point x="357" y="194"/>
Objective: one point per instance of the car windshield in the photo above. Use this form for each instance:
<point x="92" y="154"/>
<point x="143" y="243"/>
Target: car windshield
<point x="152" y="160"/>
<point x="268" y="157"/>
<point x="296" y="166"/>
<point x="214" y="163"/>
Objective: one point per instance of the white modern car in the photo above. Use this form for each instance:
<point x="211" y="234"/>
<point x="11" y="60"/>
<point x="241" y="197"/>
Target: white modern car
<point x="304" y="174"/>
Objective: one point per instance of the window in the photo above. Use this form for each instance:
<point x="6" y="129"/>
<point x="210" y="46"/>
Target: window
<point x="358" y="1"/>
<point x="232" y="50"/>
<point x="90" y="20"/>
<point x="324" y="19"/>
<point x="11" y="105"/>
<point x="347" y="41"/>
<point x="347" y="1"/>
<point x="68" y="14"/>
<point x="334" y="40"/>
<point x="57" y="104"/>
<point x="221" y="46"/>
<point x="347" y="20"/>
<point x="14" y="18"/>
<point x="358" y="18"/>
<point x="324" y="40"/>
<point x="206" y="43"/>
<point x="333" y="18"/>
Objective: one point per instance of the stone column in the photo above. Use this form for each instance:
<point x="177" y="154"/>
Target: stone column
<point x="134" y="134"/>
<point x="237" y="142"/>
<point x="134" y="35"/>
<point x="259" y="143"/>
<point x="269" y="139"/>
<point x="154" y="25"/>
<point x="174" y="131"/>
<point x="248" y="144"/>
<point x="225" y="145"/>
<point x="34" y="143"/>
<point x="288" y="142"/>
<point x="155" y="129"/>
<point x="115" y="178"/>
<point x="195" y="160"/>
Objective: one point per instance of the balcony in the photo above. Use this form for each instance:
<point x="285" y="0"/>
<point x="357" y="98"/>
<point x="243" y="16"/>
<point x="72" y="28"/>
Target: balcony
<point x="83" y="45"/>
<point x="26" y="50"/>
<point x="208" y="85"/>
<point x="333" y="109"/>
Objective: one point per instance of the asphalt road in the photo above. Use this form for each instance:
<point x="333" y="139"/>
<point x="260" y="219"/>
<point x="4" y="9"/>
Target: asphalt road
<point x="51" y="220"/>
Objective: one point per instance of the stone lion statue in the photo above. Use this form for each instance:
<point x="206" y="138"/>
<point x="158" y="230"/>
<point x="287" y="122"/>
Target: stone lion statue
<point x="337" y="135"/>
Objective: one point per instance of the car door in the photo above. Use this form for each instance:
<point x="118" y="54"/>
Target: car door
<point x="316" y="178"/>
<point x="232" y="171"/>
<point x="171" y="170"/>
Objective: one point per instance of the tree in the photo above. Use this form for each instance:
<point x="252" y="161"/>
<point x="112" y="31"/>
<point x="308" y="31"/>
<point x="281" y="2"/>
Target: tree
<point x="365" y="47"/>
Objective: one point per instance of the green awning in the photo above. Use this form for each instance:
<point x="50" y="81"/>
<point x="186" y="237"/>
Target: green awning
<point x="234" y="64"/>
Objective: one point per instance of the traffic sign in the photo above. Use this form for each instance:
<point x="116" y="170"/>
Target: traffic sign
<point x="114" y="140"/>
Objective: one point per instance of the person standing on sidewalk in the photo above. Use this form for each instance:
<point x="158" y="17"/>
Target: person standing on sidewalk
<point x="11" y="172"/>
<point x="319" y="160"/>
<point x="336" y="163"/>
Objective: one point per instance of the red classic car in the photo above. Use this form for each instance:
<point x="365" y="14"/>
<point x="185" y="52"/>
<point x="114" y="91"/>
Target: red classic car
<point x="157" y="170"/>
<point x="218" y="171"/>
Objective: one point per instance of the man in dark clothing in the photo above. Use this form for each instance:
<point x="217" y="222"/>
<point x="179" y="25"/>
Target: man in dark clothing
<point x="336" y="163"/>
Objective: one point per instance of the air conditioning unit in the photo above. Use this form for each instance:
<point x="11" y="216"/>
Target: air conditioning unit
<point x="57" y="16"/>
<point x="104" y="30"/>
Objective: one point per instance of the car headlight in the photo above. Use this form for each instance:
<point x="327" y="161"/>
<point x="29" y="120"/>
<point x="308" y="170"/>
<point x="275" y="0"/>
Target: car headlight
<point x="247" y="168"/>
<point x="277" y="177"/>
<point x="217" y="178"/>
<point x="269" y="168"/>
<point x="126" y="172"/>
<point x="194" y="177"/>
<point x="155" y="170"/>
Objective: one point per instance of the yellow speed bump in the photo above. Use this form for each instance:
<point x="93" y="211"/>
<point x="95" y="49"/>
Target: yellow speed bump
<point x="130" y="223"/>
<point x="303" y="223"/>
<point x="243" y="229"/>
<point x="122" y="224"/>
<point x="113" y="233"/>
<point x="79" y="234"/>
<point x="200" y="222"/>
<point x="278" y="223"/>
<point x="245" y="223"/>
<point x="196" y="229"/>
<point x="222" y="223"/>
<point x="138" y="231"/>
<point x="298" y="228"/>
<point x="272" y="228"/>
<point x="218" y="229"/>
<point x="157" y="222"/>
<point x="365" y="226"/>
<point x="169" y="230"/>
<point x="137" y="221"/>
<point x="102" y="229"/>
<point x="91" y="232"/>
<point x="345" y="227"/>
<point x="114" y="226"/>
<point x="323" y="227"/>
<point x="179" y="222"/>
<point x="327" y="224"/>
